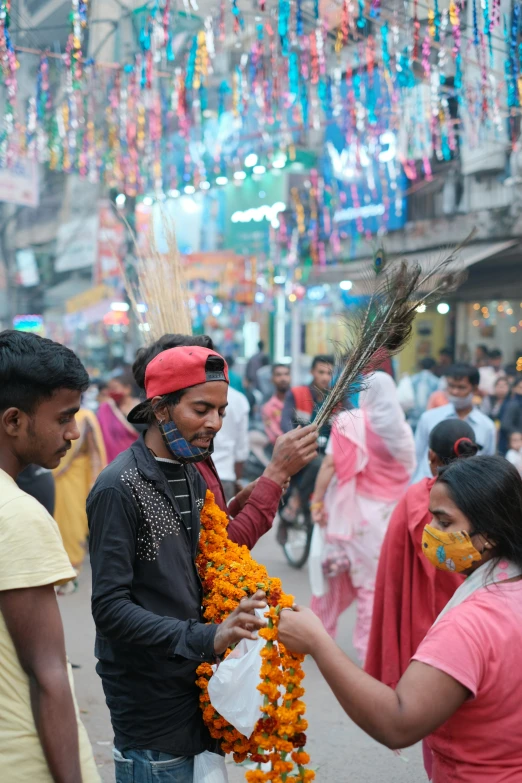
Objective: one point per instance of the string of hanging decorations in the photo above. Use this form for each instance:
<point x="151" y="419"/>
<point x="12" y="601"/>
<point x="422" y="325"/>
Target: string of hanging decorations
<point x="400" y="90"/>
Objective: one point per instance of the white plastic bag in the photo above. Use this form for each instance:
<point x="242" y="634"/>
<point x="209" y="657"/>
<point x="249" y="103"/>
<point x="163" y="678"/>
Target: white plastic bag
<point x="210" y="768"/>
<point x="315" y="562"/>
<point x="232" y="689"/>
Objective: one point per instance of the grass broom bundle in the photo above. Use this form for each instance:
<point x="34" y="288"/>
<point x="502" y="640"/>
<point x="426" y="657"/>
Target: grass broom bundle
<point x="157" y="280"/>
<point x="385" y="325"/>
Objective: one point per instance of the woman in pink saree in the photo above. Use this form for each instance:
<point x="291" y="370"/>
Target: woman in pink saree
<point x="369" y="461"/>
<point x="118" y="433"/>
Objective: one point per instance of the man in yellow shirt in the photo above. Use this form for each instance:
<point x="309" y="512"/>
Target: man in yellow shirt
<point x="41" y="737"/>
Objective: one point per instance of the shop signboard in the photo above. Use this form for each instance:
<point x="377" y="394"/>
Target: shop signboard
<point x="28" y="274"/>
<point x="93" y="314"/>
<point x="77" y="244"/>
<point x="19" y="184"/>
<point x="142" y="224"/>
<point x="225" y="273"/>
<point x="29" y="323"/>
<point x="367" y="172"/>
<point x="252" y="207"/>
<point x="87" y="299"/>
<point x="111" y="245"/>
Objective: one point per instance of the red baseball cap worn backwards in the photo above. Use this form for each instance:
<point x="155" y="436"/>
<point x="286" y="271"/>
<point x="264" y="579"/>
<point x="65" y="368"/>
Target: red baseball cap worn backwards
<point x="176" y="369"/>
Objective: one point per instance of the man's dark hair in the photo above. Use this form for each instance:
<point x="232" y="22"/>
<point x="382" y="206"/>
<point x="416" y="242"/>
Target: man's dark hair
<point x="261" y="345"/>
<point x="446" y="352"/>
<point x="460" y="372"/>
<point x="484" y="348"/>
<point x="280" y="364"/>
<point x="322" y="359"/>
<point x="428" y="363"/>
<point x="149" y="352"/>
<point x="32" y="368"/>
<point x="495" y="353"/>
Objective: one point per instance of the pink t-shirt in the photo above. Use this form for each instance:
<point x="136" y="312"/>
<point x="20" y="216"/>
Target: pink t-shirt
<point x="479" y="644"/>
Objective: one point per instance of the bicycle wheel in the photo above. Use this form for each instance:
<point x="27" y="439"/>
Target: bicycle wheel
<point x="298" y="539"/>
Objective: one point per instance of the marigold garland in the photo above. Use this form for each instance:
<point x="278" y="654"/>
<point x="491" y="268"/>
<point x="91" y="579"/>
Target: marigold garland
<point x="228" y="573"/>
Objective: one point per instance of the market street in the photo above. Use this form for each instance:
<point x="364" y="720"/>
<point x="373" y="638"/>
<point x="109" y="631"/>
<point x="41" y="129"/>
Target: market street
<point x="339" y="750"/>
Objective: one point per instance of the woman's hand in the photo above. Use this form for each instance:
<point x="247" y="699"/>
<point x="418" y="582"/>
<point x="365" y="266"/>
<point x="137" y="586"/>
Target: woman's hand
<point x="318" y="511"/>
<point x="300" y="630"/>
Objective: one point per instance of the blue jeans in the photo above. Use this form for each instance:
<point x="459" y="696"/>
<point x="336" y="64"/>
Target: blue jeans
<point x="151" y="766"/>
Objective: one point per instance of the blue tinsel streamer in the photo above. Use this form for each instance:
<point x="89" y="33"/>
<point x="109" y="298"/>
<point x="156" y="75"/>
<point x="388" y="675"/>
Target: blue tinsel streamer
<point x="299" y="18"/>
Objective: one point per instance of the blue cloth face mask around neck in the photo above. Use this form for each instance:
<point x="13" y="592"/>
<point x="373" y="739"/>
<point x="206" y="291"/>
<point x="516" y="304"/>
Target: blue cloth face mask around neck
<point x="181" y="450"/>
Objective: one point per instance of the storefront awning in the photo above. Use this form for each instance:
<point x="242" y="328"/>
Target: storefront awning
<point x="361" y="272"/>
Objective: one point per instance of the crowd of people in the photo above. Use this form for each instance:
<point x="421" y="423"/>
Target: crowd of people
<point x="416" y="496"/>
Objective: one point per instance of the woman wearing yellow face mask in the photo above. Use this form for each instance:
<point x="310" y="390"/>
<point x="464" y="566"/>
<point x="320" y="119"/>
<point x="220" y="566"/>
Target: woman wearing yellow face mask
<point x="463" y="688"/>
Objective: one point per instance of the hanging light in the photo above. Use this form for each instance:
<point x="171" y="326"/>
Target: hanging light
<point x="251" y="160"/>
<point x="279" y="160"/>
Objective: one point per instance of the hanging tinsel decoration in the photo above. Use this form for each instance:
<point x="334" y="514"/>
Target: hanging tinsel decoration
<point x="9" y="66"/>
<point x="416" y="29"/>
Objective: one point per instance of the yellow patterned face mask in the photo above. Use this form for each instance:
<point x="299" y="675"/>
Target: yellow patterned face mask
<point x="449" y="551"/>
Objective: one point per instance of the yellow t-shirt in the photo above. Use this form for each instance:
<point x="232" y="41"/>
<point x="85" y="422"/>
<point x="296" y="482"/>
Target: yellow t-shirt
<point x="31" y="555"/>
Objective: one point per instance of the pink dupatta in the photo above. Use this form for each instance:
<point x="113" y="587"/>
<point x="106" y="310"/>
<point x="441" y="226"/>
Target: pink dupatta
<point x="118" y="433"/>
<point x="374" y="456"/>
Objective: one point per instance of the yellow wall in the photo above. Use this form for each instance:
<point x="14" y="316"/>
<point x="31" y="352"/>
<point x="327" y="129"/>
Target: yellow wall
<point x="325" y="335"/>
<point x="429" y="336"/>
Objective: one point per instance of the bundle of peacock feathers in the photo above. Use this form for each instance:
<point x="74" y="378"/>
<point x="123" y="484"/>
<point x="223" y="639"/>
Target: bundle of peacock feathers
<point x="385" y="325"/>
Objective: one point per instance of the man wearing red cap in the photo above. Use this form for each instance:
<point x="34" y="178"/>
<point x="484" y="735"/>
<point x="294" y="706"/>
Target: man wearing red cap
<point x="146" y="601"/>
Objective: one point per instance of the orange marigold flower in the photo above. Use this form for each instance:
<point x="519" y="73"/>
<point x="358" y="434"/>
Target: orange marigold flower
<point x="228" y="573"/>
<point x="270" y="634"/>
<point x="256" y="776"/>
<point x="283" y="745"/>
<point x="301" y="758"/>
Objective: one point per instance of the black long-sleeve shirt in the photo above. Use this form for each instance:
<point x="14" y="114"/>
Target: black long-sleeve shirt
<point x="146" y="603"/>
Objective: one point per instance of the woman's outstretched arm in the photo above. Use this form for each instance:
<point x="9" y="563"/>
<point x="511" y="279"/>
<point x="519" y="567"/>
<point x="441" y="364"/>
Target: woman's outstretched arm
<point x="424" y="699"/>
